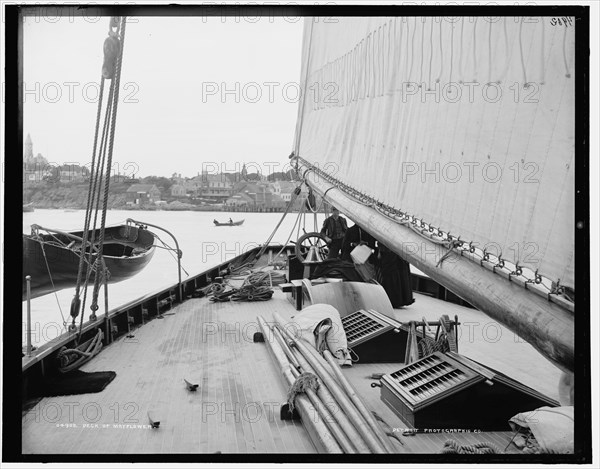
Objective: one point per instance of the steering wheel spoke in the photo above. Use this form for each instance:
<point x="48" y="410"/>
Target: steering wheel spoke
<point x="309" y="240"/>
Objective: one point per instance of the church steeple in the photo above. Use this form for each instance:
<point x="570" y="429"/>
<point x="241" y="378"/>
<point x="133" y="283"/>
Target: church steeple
<point x="28" y="149"/>
<point x="244" y="172"/>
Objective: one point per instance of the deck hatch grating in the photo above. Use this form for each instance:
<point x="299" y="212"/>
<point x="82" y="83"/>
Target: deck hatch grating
<point x="361" y="326"/>
<point x="430" y="378"/>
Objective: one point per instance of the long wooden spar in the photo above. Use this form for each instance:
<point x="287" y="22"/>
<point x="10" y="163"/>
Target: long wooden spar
<point x="546" y="326"/>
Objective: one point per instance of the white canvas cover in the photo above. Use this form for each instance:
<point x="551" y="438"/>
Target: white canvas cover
<point x="552" y="427"/>
<point x="309" y="318"/>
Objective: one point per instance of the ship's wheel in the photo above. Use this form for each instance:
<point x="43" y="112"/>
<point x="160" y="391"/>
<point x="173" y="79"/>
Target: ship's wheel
<point x="311" y="248"/>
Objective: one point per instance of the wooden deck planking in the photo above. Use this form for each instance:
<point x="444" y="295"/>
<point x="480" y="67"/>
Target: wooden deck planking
<point x="270" y="419"/>
<point x="180" y="389"/>
<point x="185" y="434"/>
<point x="290" y="432"/>
<point x="258" y="418"/>
<point x="211" y="344"/>
<point x="282" y="306"/>
<point x="150" y="370"/>
<point x="246" y="403"/>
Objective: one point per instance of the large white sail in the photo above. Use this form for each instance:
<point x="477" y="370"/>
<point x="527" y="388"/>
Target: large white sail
<point x="466" y="123"/>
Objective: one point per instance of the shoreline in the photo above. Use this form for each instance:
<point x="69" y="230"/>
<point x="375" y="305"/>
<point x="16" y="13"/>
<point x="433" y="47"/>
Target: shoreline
<point x="162" y="209"/>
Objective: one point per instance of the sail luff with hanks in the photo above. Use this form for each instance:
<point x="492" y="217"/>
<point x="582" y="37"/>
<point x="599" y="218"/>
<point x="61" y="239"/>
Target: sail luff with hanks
<point x="463" y="125"/>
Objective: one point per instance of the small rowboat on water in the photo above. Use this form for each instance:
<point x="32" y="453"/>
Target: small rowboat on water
<point x="52" y="259"/>
<point x="229" y="223"/>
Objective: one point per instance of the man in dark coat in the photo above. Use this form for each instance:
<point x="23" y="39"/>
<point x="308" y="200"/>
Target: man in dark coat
<point x="355" y="235"/>
<point x="393" y="273"/>
<point x="334" y="229"/>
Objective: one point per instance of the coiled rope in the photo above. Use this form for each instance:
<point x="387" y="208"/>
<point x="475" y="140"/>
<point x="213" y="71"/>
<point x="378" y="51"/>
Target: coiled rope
<point x="256" y="287"/>
<point x="452" y="447"/>
<point x="304" y="382"/>
<point x="71" y="359"/>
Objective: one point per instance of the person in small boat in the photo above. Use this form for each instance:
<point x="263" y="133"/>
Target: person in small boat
<point x="393" y="273"/>
<point x="334" y="229"/>
<point x="230" y="221"/>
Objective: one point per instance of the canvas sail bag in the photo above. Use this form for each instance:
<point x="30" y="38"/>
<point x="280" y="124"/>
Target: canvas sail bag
<point x="320" y="324"/>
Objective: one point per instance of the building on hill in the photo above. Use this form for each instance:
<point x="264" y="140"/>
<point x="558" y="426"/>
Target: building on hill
<point x="178" y="190"/>
<point x="215" y="186"/>
<point x="239" y="201"/>
<point x="32" y="164"/>
<point x="284" y="189"/>
<point x="193" y="185"/>
<point x="28" y="148"/>
<point x="72" y="172"/>
<point x="142" y="194"/>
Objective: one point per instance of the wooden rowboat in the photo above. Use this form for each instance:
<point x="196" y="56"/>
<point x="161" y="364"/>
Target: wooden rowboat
<point x="232" y="223"/>
<point x="52" y="259"/>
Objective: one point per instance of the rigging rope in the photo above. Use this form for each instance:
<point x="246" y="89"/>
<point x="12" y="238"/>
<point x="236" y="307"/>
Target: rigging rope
<point x="297" y="222"/>
<point x="115" y="89"/>
<point x="295" y="195"/>
<point x="102" y="153"/>
<point x="170" y="249"/>
<point x="53" y="287"/>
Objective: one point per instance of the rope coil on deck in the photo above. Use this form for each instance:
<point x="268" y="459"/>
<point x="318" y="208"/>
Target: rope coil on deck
<point x="244" y="293"/>
<point x="256" y="287"/>
<point x="452" y="447"/>
<point x="305" y="381"/>
<point x="71" y="359"/>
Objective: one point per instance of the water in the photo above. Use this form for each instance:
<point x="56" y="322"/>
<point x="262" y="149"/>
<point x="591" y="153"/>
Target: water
<point x="203" y="246"/>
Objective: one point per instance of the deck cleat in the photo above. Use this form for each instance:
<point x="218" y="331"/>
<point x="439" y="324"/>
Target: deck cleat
<point x="258" y="337"/>
<point x="286" y="414"/>
<point x="190" y="386"/>
<point x="153" y="423"/>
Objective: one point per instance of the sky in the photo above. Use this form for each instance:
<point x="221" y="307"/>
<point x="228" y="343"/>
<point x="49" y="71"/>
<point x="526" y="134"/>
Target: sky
<point x="196" y="92"/>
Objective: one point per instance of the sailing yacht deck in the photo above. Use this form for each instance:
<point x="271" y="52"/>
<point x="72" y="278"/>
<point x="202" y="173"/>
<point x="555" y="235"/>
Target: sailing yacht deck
<point x="236" y="407"/>
<point x="234" y="410"/>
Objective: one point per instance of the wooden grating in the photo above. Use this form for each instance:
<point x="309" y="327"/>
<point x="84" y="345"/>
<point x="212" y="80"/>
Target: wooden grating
<point x="362" y="326"/>
<point x="430" y="378"/>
